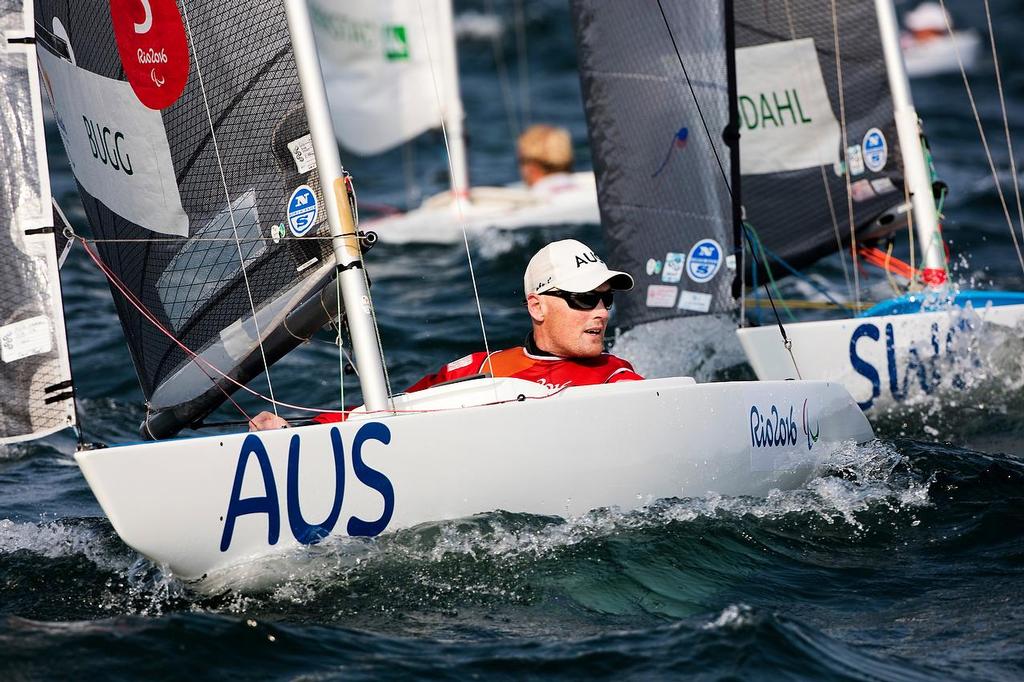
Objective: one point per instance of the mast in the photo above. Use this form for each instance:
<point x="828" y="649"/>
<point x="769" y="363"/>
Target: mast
<point x="365" y="342"/>
<point x="451" y="102"/>
<point x="926" y="218"/>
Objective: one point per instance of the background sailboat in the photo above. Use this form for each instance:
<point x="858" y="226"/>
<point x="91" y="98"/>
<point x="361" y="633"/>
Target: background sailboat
<point x="933" y="338"/>
<point x="392" y="74"/>
<point x="817" y="168"/>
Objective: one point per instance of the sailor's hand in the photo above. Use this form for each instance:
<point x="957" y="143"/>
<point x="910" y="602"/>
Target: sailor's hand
<point x="265" y="421"/>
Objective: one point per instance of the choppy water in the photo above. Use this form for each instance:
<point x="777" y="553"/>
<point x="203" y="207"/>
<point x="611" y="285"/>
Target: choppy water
<point x="901" y="560"/>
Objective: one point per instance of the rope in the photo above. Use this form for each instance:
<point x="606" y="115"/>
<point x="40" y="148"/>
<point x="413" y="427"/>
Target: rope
<point x="782" y="330"/>
<point x="725" y="177"/>
<point x="984" y="142"/>
<point x="193" y="356"/>
<point x="504" y="83"/>
<point x="846" y="175"/>
<point x="802" y="304"/>
<point x="227" y="195"/>
<point x="793" y="271"/>
<point x="458" y="191"/>
<point x="1006" y="122"/>
<point x="824" y="181"/>
<point x="524" y="63"/>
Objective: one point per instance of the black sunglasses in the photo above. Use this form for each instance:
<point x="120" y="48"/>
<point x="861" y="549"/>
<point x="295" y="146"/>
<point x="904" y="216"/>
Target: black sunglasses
<point x="587" y="300"/>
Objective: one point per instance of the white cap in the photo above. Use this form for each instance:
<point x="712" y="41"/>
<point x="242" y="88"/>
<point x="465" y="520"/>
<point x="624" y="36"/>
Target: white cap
<point x="569" y="265"/>
<point x="928" y="16"/>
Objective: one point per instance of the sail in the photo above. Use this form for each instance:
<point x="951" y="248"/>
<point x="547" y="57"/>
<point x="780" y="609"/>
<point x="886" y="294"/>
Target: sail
<point x="185" y="128"/>
<point x="791" y="111"/>
<point x="656" y="90"/>
<point x="390" y="70"/>
<point x="35" y="375"/>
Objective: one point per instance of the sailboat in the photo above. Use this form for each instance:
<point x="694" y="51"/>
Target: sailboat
<point x="926" y="340"/>
<point x="213" y="272"/>
<point x="819" y="158"/>
<point x="392" y="74"/>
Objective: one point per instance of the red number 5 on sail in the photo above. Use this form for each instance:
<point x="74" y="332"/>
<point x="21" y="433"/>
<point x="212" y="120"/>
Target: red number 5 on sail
<point x="153" y="47"/>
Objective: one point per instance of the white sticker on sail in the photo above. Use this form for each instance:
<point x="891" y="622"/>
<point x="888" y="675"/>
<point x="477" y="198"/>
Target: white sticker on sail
<point x="25" y="338"/>
<point x="786" y="120"/>
<point x="117" y="147"/>
<point x="302" y="153"/>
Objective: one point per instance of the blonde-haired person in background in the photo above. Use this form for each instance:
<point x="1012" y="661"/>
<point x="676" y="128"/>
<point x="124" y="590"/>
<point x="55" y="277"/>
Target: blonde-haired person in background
<point x="545" y="157"/>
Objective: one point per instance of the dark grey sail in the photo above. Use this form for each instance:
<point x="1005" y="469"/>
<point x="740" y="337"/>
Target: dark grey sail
<point x="656" y="88"/>
<point x="796" y="206"/>
<point x="179" y="196"/>
<point x="35" y="376"/>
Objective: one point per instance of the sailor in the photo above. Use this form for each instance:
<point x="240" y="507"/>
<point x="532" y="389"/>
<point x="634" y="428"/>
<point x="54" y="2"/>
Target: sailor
<point x="545" y="157"/>
<point x="569" y="291"/>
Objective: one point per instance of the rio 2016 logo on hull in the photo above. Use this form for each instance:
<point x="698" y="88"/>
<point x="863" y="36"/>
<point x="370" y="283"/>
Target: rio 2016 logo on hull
<point x="303" y="530"/>
<point x="777" y="428"/>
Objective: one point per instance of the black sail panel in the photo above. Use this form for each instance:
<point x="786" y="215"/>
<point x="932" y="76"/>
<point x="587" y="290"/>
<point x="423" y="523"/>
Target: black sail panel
<point x="659" y="156"/>
<point x="795" y="200"/>
<point x="185" y="188"/>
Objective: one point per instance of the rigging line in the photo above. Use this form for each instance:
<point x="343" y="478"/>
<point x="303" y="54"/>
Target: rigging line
<point x="341" y="350"/>
<point x="721" y="167"/>
<point x="138" y="305"/>
<point x="782" y="330"/>
<point x="1002" y="104"/>
<point x="456" y="190"/>
<point x="227" y="196"/>
<point x="768" y="253"/>
<point x="193" y="356"/>
<point x="846" y="164"/>
<point x="835" y="231"/>
<point x="155" y="240"/>
<point x="524" y="62"/>
<point x="824" y="179"/>
<point x="693" y="93"/>
<point x="911" y="285"/>
<point x="984" y="144"/>
<point x="504" y="84"/>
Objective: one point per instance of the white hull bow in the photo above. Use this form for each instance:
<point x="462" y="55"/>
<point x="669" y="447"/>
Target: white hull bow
<point x="889" y="360"/>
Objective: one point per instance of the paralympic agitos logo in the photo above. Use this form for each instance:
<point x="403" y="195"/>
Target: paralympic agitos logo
<point x="154" y="49"/>
<point x="776" y="428"/>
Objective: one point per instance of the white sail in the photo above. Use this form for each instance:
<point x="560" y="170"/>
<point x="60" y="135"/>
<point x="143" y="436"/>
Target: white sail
<point x="35" y="375"/>
<point x="381" y="61"/>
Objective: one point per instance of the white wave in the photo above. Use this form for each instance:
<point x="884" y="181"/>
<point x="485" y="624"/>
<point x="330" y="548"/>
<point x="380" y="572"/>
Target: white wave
<point x="55" y="539"/>
<point x="732" y="617"/>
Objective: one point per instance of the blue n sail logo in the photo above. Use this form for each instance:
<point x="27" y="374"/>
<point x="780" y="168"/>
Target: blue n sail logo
<point x="679" y="141"/>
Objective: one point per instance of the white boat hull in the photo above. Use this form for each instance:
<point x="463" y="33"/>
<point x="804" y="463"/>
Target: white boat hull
<point x="886" y="361"/>
<point x="204" y="504"/>
<point x="439" y="220"/>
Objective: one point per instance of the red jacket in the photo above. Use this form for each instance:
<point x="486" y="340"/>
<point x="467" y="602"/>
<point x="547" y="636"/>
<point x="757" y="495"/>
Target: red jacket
<point x="550" y="370"/>
<point x="532" y="365"/>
